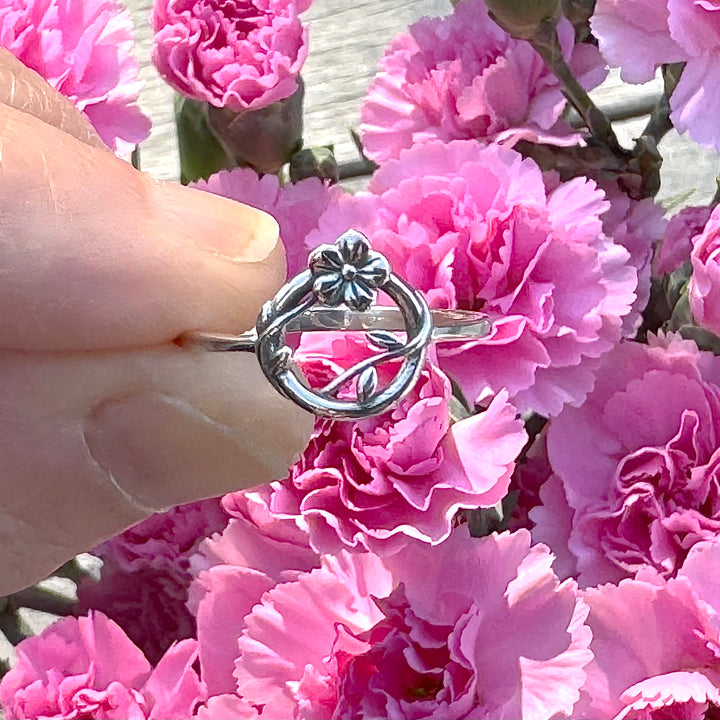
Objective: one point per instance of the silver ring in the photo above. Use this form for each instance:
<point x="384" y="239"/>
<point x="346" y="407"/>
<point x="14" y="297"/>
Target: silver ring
<point x="338" y="291"/>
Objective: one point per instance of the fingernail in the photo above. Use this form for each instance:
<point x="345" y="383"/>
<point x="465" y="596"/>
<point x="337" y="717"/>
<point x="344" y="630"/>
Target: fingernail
<point x="161" y="451"/>
<point x="230" y="229"/>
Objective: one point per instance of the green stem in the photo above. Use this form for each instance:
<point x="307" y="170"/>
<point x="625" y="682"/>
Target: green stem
<point x="547" y="44"/>
<point x="42" y="600"/>
<point x="659" y="123"/>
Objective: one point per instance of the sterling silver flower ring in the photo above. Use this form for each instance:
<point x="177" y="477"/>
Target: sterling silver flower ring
<point x="338" y="291"/>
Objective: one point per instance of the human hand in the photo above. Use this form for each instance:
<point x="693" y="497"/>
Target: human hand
<point x="104" y="420"/>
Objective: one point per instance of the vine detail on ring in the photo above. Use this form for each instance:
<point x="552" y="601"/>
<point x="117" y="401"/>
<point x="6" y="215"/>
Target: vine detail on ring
<point x="347" y="273"/>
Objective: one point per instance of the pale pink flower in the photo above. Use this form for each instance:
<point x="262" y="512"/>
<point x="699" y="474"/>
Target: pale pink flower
<point x="641" y="35"/>
<point x="704" y="285"/>
<point x="145" y="563"/>
<point x="474" y="228"/>
<point x="637" y="465"/>
<point x="240" y="54"/>
<point x="676" y="244"/>
<point x="88" y="668"/>
<point x="377" y="482"/>
<point x="234" y="568"/>
<point x="655" y="644"/>
<point x="297" y="207"/>
<point x="293" y="630"/>
<point x="463" y="77"/>
<point x="452" y="634"/>
<point x="83" y="48"/>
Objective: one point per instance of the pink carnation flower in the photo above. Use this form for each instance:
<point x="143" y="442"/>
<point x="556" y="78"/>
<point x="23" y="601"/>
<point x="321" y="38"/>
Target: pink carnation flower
<point x="531" y="471"/>
<point x="255" y="552"/>
<point x="637" y="465"/>
<point x="241" y="54"/>
<point x="456" y="638"/>
<point x="291" y="633"/>
<point x="377" y="482"/>
<point x="83" y="49"/>
<point x="640" y="36"/>
<point x="676" y="243"/>
<point x="655" y="644"/>
<point x="145" y="563"/>
<point x="463" y="77"/>
<point x="165" y="541"/>
<point x="637" y="225"/>
<point x="88" y="668"/>
<point x="474" y="228"/>
<point x="297" y="207"/>
<point x="704" y="286"/>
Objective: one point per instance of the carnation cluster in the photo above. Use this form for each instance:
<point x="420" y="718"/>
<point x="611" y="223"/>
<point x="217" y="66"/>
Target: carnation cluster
<point x="84" y="49"/>
<point x="533" y="531"/>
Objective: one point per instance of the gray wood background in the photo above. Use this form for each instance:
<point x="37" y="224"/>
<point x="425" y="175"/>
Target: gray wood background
<point x="347" y="38"/>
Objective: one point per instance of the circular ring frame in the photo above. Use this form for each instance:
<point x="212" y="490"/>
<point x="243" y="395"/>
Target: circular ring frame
<point x="276" y="361"/>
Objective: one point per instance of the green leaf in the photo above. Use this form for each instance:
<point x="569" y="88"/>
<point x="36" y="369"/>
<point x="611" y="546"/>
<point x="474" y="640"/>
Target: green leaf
<point x="201" y="154"/>
<point x="384" y="339"/>
<point x="367" y="383"/>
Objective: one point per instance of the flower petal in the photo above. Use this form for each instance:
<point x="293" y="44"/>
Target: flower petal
<point x="375" y="271"/>
<point x="329" y="289"/>
<point x="325" y="259"/>
<point x="354" y="248"/>
<point x="358" y="296"/>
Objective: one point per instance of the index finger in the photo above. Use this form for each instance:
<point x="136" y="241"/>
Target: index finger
<point x="95" y="255"/>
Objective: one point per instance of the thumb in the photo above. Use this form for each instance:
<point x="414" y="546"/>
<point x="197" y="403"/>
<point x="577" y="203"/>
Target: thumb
<point x="104" y="420"/>
<point x="93" y="443"/>
<point x="96" y="255"/>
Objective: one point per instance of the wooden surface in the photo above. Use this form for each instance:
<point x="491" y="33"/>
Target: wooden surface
<point x="347" y="38"/>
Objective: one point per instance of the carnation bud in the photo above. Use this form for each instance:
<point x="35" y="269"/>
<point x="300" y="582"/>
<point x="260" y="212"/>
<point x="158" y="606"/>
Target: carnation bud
<point x="262" y="139"/>
<point x="316" y="162"/>
<point x="522" y="18"/>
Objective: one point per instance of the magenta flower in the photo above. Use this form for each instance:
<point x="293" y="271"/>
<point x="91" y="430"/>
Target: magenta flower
<point x="704" y="286"/>
<point x="88" y="668"/>
<point x="463" y="77"/>
<point x="475" y="228"/>
<point x="83" y="48"/>
<point x="165" y="541"/>
<point x="241" y="54"/>
<point x="640" y="36"/>
<point x="453" y="634"/>
<point x="676" y="243"/>
<point x="637" y="465"/>
<point x="655" y="644"/>
<point x="377" y="482"/>
<point x="297" y="207"/>
<point x="639" y="226"/>
<point x="145" y="563"/>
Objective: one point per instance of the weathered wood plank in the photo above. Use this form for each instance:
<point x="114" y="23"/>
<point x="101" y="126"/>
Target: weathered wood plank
<point x="346" y="42"/>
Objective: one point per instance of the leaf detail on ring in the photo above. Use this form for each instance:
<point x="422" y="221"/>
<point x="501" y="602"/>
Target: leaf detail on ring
<point x="367" y="383"/>
<point x="384" y="339"/>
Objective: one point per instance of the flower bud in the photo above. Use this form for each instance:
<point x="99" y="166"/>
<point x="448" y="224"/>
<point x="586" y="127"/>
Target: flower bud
<point x="316" y="162"/>
<point x="262" y="139"/>
<point x="522" y="18"/>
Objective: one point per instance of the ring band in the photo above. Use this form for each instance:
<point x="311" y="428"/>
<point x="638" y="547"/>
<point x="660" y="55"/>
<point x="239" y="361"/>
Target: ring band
<point x="338" y="292"/>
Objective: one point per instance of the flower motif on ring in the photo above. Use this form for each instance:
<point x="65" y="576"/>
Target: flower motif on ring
<point x="348" y="272"/>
